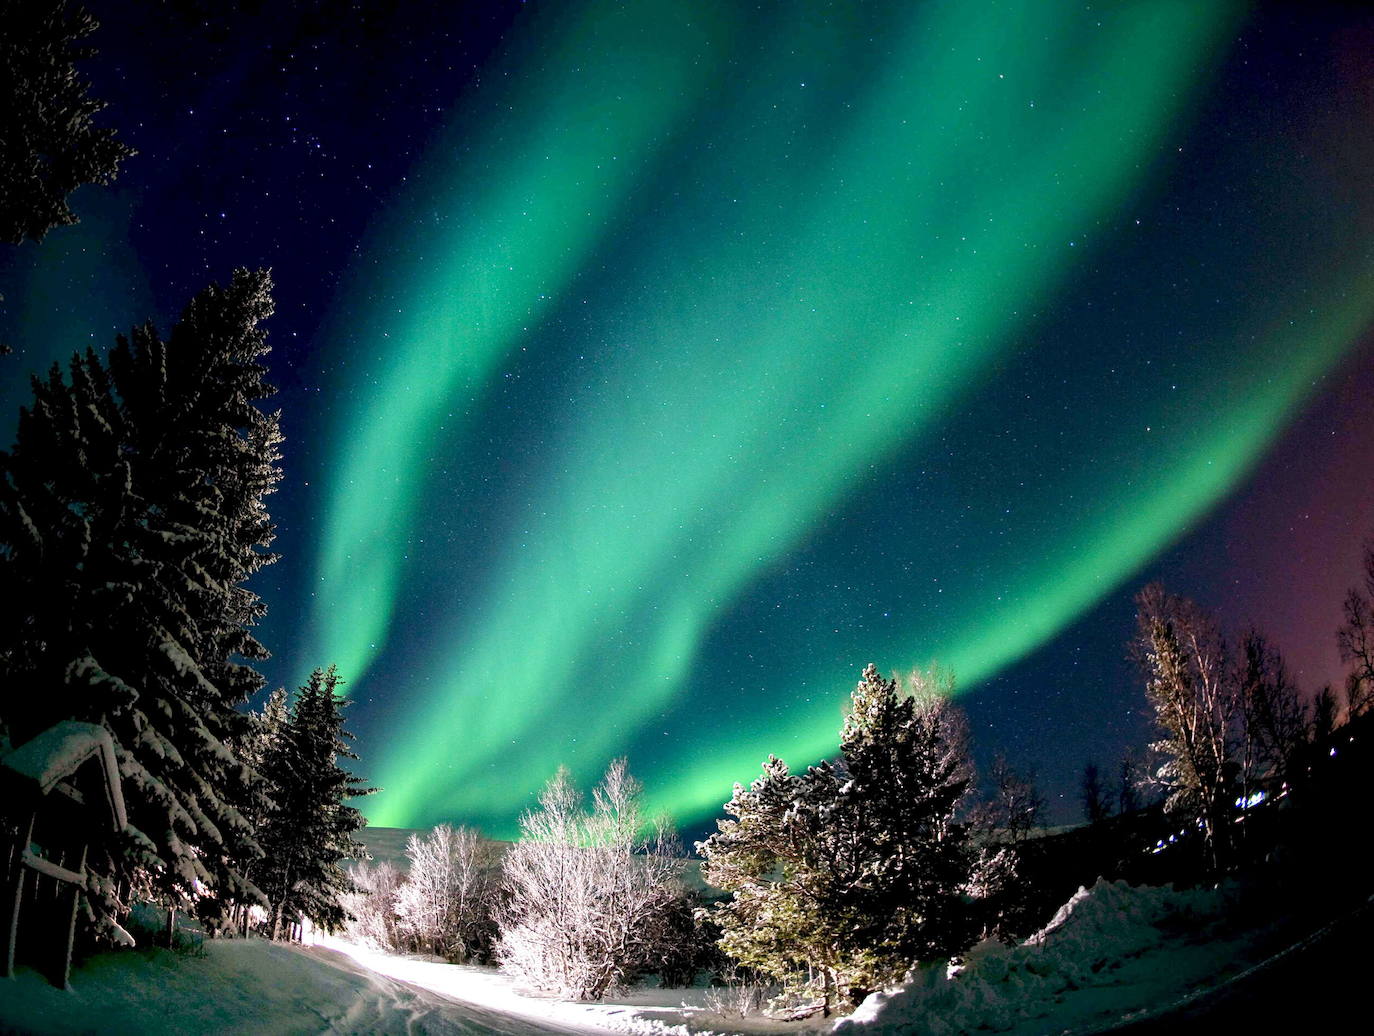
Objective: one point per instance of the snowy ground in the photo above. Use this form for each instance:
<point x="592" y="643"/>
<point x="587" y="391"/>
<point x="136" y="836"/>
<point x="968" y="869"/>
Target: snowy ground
<point x="244" y="986"/>
<point x="642" y="1011"/>
<point x="1112" y="954"/>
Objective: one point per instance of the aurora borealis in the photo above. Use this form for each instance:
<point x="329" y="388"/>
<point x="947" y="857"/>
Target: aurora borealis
<point x="693" y="355"/>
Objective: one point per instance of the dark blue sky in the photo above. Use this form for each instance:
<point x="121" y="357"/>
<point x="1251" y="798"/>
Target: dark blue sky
<point x="307" y="141"/>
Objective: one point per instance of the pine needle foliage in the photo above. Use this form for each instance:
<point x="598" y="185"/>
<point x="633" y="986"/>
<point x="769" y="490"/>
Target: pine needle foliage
<point x="307" y="831"/>
<point x="132" y="514"/>
<point x="844" y="877"/>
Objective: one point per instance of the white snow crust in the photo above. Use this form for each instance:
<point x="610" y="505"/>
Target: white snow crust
<point x="1108" y="951"/>
<point x="57" y="751"/>
<point x="1113" y="952"/>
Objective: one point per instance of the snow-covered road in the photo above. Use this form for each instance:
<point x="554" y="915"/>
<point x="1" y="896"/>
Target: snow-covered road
<point x="392" y="1005"/>
<point x="247" y="986"/>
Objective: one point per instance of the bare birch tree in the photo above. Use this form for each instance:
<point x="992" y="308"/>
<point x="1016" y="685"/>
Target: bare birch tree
<point x="1274" y="720"/>
<point x="1015" y="807"/>
<point x="1182" y="654"/>
<point x="371" y="906"/>
<point x="1355" y="639"/>
<point x="445" y="903"/>
<point x="588" y="897"/>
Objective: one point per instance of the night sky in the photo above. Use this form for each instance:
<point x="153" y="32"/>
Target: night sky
<point x="648" y="368"/>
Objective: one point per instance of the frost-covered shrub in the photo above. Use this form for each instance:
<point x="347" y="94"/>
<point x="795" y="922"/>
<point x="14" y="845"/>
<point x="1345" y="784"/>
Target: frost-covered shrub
<point x="742" y="994"/>
<point x="371" y="908"/>
<point x="587" y="898"/>
<point x="445" y="903"/>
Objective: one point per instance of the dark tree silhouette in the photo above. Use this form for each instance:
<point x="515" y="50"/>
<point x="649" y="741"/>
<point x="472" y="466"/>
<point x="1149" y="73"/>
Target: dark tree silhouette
<point x="49" y="144"/>
<point x="1355" y="639"/>
<point x="1128" y="784"/>
<point x="1274" y="720"/>
<point x="1094" y="796"/>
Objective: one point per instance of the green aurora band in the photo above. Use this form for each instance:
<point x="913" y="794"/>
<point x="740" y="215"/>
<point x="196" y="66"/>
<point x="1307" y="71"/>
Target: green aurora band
<point x="544" y="187"/>
<point x="832" y="282"/>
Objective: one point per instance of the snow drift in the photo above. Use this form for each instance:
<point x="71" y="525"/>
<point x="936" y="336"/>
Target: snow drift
<point x="1087" y="944"/>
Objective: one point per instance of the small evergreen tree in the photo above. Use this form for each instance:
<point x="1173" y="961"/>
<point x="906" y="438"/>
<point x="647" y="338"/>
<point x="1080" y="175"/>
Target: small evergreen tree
<point x="48" y="143"/>
<point x="308" y="829"/>
<point x="845" y="876"/>
<point x="998" y="891"/>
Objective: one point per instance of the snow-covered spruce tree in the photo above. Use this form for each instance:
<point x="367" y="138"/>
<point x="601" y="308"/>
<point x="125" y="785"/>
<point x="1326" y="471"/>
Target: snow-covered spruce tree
<point x="446" y="902"/>
<point x="258" y="748"/>
<point x="309" y="826"/>
<point x="131" y="515"/>
<point x="844" y="877"/>
<point x="588" y="898"/>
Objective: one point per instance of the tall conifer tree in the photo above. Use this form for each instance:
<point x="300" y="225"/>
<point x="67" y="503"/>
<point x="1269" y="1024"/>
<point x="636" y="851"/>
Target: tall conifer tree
<point x="131" y="513"/>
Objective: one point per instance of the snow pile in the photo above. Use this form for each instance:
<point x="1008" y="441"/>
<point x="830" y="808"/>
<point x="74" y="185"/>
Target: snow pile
<point x="1099" y="927"/>
<point x="1087" y="944"/>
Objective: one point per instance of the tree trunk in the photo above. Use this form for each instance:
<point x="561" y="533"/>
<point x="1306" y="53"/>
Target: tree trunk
<point x="276" y="914"/>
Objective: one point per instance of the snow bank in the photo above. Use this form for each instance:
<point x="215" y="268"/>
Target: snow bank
<point x="1087" y="944"/>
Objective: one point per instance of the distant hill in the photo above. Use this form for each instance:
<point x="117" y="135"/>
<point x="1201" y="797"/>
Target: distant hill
<point x="389" y="844"/>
